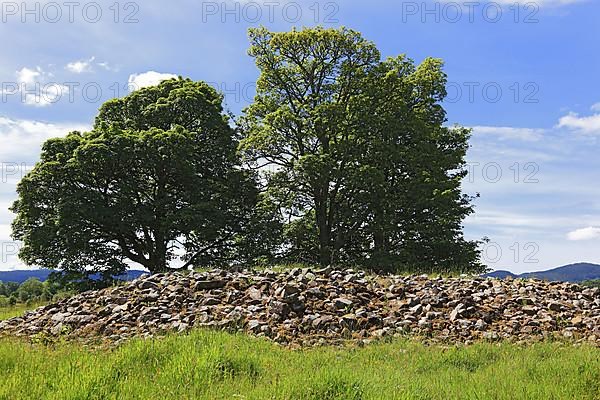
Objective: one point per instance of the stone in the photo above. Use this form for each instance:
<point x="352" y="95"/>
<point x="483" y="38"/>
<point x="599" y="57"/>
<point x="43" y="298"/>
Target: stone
<point x="253" y="325"/>
<point x="321" y="321"/>
<point x="349" y="321"/>
<point x="175" y="289"/>
<point x="150" y="297"/>
<point x="576" y="320"/>
<point x="147" y="285"/>
<point x="424" y="323"/>
<point x="165" y="317"/>
<point x="341" y="303"/>
<point x="530" y="310"/>
<point x="210" y="301"/>
<point x="568" y="334"/>
<point x="324" y="271"/>
<point x="457" y="312"/>
<point x="120" y="308"/>
<point x="416" y="309"/>
<point x="280" y="308"/>
<point x="120" y="300"/>
<point x="412" y="302"/>
<point x="57" y="329"/>
<point x="480" y="325"/>
<point x="304" y="308"/>
<point x="254" y="294"/>
<point x="298" y="305"/>
<point x="209" y="285"/>
<point x="379" y="332"/>
<point x="554" y="306"/>
<point x="60" y="317"/>
<point x="180" y="326"/>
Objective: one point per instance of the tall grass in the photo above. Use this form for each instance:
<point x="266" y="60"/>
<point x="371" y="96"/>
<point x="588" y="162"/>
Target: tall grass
<point x="216" y="365"/>
<point x="16" y="310"/>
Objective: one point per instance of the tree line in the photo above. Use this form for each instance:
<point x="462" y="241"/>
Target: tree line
<point x="343" y="157"/>
<point x="30" y="291"/>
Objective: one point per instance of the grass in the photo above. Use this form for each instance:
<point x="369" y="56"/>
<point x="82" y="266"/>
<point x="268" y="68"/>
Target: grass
<point x="16" y="310"/>
<point x="592" y="283"/>
<point x="217" y="365"/>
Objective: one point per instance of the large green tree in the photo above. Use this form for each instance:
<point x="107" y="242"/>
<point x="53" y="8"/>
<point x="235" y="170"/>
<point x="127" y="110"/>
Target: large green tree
<point x="361" y="162"/>
<point x="158" y="177"/>
<point x="300" y="122"/>
<point x="413" y="165"/>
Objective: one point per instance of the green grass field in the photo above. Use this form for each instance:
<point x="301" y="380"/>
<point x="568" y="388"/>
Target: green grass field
<point x="15" y="311"/>
<point x="214" y="365"/>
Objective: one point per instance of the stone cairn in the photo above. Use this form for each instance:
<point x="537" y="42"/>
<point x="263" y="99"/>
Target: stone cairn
<point x="304" y="307"/>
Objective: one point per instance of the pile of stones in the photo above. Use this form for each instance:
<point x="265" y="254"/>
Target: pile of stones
<point x="305" y="307"/>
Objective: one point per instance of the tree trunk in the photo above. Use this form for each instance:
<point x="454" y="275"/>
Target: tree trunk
<point x="324" y="231"/>
<point x="379" y="240"/>
<point x="158" y="259"/>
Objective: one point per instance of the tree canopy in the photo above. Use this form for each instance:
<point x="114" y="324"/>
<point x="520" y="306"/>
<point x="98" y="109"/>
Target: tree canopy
<point x="158" y="177"/>
<point x="362" y="165"/>
<point x="342" y="158"/>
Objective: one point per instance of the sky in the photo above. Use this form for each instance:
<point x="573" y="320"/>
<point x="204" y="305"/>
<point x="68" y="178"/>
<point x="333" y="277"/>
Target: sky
<point x="522" y="74"/>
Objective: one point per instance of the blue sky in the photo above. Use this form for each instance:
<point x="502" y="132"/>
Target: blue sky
<point x="523" y="75"/>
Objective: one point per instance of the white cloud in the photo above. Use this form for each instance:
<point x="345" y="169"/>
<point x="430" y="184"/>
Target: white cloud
<point x="509" y="133"/>
<point x="22" y="139"/>
<point x="595" y="107"/>
<point x="519" y="218"/>
<point x="5" y="231"/>
<point x="145" y="79"/>
<point x="585" y="125"/>
<point x="108" y="67"/>
<point x="47" y="94"/>
<point x="9" y="250"/>
<point x="21" y="145"/>
<point x="588" y="233"/>
<point x="29" y="76"/>
<point x="36" y="87"/>
<point x="81" y="66"/>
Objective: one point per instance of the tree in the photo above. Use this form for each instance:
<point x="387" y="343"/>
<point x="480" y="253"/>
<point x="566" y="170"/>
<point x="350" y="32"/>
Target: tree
<point x="300" y="123"/>
<point x="31" y="289"/>
<point x="8" y="288"/>
<point x="362" y="165"/>
<point x="412" y="205"/>
<point x="158" y="177"/>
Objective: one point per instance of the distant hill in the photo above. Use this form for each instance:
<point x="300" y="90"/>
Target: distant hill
<point x="21" y="276"/>
<point x="569" y="273"/>
<point x="501" y="274"/>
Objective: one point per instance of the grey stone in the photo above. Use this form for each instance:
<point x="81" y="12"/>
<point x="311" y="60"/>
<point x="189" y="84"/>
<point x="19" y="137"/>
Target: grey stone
<point x="209" y="285"/>
<point x="341" y="303"/>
